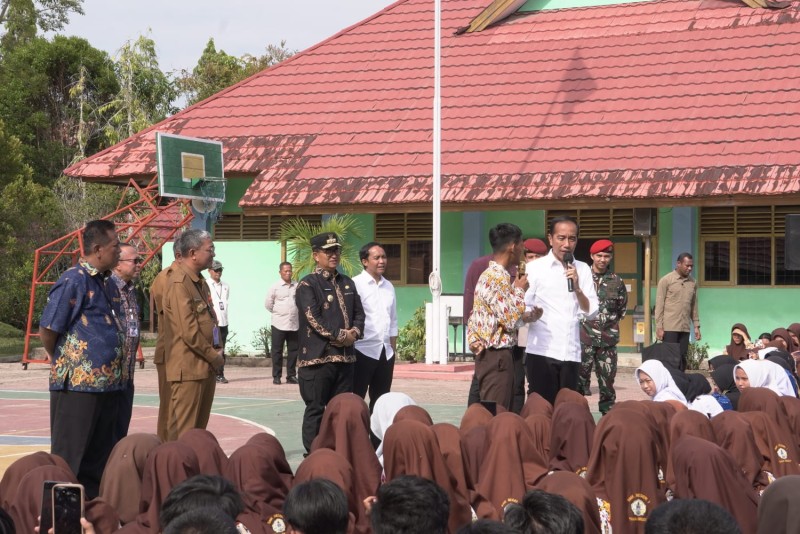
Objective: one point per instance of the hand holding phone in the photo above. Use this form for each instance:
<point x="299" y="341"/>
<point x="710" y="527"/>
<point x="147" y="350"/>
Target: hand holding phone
<point x="68" y="504"/>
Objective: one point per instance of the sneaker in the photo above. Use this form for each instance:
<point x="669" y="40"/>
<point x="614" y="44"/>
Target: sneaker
<point x="292" y="380"/>
<point x="221" y="379"/>
<point x="276" y="381"/>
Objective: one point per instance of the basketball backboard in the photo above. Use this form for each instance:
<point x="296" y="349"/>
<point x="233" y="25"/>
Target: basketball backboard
<point x="185" y="164"/>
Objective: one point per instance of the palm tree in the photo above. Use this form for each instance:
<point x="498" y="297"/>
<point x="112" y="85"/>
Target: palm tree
<point x="297" y="234"/>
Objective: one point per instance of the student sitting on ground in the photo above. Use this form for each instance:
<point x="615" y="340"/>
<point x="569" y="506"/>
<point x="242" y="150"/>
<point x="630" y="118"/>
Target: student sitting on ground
<point x="317" y="507"/>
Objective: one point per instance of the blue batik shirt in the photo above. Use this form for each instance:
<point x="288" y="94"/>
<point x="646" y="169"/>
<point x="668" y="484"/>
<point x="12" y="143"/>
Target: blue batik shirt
<point x="83" y="308"/>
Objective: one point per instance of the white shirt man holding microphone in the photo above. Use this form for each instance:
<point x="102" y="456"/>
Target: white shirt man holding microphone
<point x="561" y="292"/>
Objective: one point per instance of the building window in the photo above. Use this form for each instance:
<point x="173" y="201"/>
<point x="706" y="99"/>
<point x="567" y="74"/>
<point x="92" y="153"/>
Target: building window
<point x="241" y="227"/>
<point x="744" y="245"/>
<point x="595" y="223"/>
<point x="408" y="241"/>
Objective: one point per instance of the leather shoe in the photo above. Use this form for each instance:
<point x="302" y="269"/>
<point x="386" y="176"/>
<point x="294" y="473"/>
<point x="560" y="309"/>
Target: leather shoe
<point x="292" y="380"/>
<point x="276" y="381"/>
<point x="221" y="379"/>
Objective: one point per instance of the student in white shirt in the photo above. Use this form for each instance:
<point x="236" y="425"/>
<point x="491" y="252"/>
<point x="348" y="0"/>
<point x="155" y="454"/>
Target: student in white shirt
<point x="553" y="312"/>
<point x="375" y="351"/>
<point x="220" y="292"/>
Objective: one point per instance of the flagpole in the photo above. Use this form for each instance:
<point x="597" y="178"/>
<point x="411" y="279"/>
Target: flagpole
<point x="435" y="281"/>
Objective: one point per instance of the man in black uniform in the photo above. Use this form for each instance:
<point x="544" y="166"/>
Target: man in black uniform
<point x="331" y="318"/>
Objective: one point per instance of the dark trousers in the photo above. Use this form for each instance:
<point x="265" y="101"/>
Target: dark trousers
<point x="318" y="385"/>
<point x="279" y="338"/>
<point x="82" y="433"/>
<point x="518" y="401"/>
<point x="373" y="375"/>
<point x="125" y="412"/>
<point x="495" y="371"/>
<point x="682" y="338"/>
<point x="223" y="338"/>
<point x="546" y="376"/>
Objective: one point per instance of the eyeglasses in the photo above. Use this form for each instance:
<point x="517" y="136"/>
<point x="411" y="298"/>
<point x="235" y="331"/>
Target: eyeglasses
<point x="331" y="251"/>
<point x="137" y="261"/>
<point x="217" y="270"/>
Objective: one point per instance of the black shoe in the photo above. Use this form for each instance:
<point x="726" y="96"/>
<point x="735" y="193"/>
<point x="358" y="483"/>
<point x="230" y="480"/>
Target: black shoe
<point x="221" y="379"/>
<point x="276" y="381"/>
<point x="292" y="380"/>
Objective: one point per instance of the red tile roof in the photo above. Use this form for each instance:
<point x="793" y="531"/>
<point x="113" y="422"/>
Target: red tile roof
<point x="655" y="100"/>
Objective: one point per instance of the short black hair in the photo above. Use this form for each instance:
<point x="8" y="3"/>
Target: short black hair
<point x="317" y="506"/>
<point x="691" y="516"/>
<point x="503" y="234"/>
<point x="517" y="518"/>
<point x="552" y="514"/>
<point x="202" y="521"/>
<point x="488" y="526"/>
<point x="280" y="267"/>
<point x="410" y="505"/>
<point x="96" y="233"/>
<point x="201" y="491"/>
<point x="363" y="253"/>
<point x="560" y="219"/>
<point x="683" y="255"/>
<point x="6" y="523"/>
<point x="765" y="335"/>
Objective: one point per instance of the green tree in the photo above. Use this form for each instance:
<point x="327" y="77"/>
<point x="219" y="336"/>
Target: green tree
<point x="217" y="70"/>
<point x="29" y="218"/>
<point x="298" y="233"/>
<point x="48" y="14"/>
<point x="145" y="95"/>
<point x="80" y="202"/>
<point x="12" y="163"/>
<point x="41" y="106"/>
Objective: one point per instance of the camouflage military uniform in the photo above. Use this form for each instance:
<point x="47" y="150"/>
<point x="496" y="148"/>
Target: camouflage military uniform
<point x="599" y="338"/>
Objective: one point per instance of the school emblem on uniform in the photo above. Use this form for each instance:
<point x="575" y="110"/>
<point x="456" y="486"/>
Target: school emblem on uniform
<point x="638" y="503"/>
<point x="277" y="523"/>
<point x="581" y="472"/>
<point x="347" y="287"/>
<point x="780" y="450"/>
<point x="330" y="298"/>
<point x="508" y="502"/>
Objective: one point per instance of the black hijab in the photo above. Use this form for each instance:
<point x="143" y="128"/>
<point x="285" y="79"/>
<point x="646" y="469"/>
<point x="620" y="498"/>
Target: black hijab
<point x="723" y="377"/>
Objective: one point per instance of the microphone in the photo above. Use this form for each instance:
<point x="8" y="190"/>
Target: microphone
<point x="568" y="259"/>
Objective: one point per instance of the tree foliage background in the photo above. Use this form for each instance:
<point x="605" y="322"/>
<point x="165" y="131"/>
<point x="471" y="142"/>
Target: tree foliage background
<point x="61" y="100"/>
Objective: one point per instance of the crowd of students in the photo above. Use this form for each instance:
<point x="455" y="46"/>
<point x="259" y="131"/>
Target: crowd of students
<point x="645" y="467"/>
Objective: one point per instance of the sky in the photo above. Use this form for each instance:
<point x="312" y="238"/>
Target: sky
<point x="181" y="28"/>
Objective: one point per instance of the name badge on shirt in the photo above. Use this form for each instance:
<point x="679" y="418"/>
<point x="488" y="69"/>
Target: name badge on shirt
<point x="221" y="306"/>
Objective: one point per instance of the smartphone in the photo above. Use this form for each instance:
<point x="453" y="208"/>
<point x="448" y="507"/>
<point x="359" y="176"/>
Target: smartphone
<point x="491" y="406"/>
<point x="67" y="509"/>
<point x="46" y="512"/>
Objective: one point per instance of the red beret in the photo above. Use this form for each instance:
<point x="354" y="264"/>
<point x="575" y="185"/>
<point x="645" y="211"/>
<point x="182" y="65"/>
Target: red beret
<point x="603" y="245"/>
<point x="536" y="246"/>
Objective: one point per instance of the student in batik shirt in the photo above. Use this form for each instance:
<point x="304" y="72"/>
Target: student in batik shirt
<point x="498" y="306"/>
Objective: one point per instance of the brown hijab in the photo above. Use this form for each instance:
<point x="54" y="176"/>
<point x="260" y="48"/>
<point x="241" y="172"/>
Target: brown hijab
<point x="536" y="404"/>
<point x="659" y="414"/>
<point x="411" y="448"/>
<point x="576" y="490"/>
<point x="792" y="407"/>
<point x="26" y="501"/>
<point x="778" y="511"/>
<point x="473" y="450"/>
<point x="739" y="351"/>
<point x="475" y="415"/>
<point x="262" y="475"/>
<point x="784" y="335"/>
<point x="540" y="427"/>
<point x="167" y="465"/>
<point x="121" y="485"/>
<point x="623" y="468"/>
<point x="450" y="446"/>
<point x="17" y="470"/>
<point x="330" y="465"/>
<point x="211" y="457"/>
<point x="733" y="433"/>
<point x="412" y="412"/>
<point x="706" y="471"/>
<point x="691" y="423"/>
<point x="777" y="454"/>
<point x="572" y="436"/>
<point x="345" y="429"/>
<point x="512" y="464"/>
<point x="569" y="395"/>
<point x="768" y="402"/>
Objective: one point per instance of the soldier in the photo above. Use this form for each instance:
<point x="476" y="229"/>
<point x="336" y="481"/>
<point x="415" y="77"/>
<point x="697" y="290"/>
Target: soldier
<point x="599" y="336"/>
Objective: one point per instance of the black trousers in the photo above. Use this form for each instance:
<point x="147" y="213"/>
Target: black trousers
<point x="372" y="375"/>
<point x="318" y="385"/>
<point x="546" y="376"/>
<point x="223" y="339"/>
<point x="125" y="412"/>
<point x="518" y="400"/>
<point x="682" y="338"/>
<point x="82" y="431"/>
<point x="279" y="338"/>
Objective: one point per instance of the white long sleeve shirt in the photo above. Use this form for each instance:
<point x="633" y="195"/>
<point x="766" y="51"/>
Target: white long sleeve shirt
<point x="219" y="296"/>
<point x="380" y="308"/>
<point x="557" y="333"/>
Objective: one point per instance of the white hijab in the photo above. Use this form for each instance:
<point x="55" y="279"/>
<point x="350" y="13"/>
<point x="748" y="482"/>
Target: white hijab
<point x="766" y="374"/>
<point x="666" y="389"/>
<point x="386" y="407"/>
